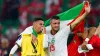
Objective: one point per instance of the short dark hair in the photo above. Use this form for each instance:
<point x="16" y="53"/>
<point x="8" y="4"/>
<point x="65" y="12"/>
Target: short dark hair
<point x="37" y="19"/>
<point x="55" y="17"/>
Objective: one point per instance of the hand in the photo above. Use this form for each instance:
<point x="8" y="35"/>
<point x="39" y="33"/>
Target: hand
<point x="83" y="46"/>
<point x="87" y="7"/>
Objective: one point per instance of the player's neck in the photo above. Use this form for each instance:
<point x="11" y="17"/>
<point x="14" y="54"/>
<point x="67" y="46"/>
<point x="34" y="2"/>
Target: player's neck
<point x="53" y="32"/>
<point x="35" y="29"/>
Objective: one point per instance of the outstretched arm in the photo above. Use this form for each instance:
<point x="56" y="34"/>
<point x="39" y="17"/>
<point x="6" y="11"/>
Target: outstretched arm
<point x="79" y="19"/>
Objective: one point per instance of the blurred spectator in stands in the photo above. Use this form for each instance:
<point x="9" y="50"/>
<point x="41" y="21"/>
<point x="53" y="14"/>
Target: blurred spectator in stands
<point x="36" y="8"/>
<point x="1" y="36"/>
<point x="0" y="27"/>
<point x="0" y="32"/>
<point x="53" y="7"/>
<point x="73" y="3"/>
<point x="91" y="20"/>
<point x="10" y="9"/>
<point x="4" y="47"/>
<point x="11" y="33"/>
<point x="10" y="14"/>
<point x="23" y="14"/>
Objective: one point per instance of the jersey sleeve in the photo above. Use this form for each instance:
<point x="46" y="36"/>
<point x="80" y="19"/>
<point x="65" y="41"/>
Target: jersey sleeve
<point x="19" y="41"/>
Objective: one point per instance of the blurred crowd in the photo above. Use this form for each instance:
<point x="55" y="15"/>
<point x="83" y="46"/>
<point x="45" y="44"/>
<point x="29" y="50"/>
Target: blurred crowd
<point x="16" y="15"/>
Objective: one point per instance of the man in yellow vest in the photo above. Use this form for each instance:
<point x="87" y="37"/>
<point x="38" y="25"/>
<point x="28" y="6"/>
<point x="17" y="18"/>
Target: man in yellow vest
<point x="31" y="40"/>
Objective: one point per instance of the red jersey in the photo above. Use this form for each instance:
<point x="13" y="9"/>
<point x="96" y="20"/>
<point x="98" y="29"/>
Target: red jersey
<point x="73" y="47"/>
<point x="95" y="41"/>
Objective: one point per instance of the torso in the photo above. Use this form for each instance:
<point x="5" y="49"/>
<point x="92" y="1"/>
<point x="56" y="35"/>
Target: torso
<point x="51" y="41"/>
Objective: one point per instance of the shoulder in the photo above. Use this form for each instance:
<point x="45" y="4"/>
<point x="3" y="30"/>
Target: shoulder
<point x="66" y="28"/>
<point x="28" y="30"/>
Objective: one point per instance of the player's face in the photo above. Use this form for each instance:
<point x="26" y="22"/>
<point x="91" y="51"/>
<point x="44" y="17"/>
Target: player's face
<point x="39" y="26"/>
<point x="55" y="24"/>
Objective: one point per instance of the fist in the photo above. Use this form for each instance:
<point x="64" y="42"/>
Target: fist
<point x="87" y="7"/>
<point x="83" y="46"/>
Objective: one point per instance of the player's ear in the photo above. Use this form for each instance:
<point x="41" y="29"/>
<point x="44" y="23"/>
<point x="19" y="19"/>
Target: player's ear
<point x="34" y="23"/>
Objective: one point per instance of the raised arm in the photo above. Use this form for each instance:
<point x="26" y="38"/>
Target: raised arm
<point x="79" y="19"/>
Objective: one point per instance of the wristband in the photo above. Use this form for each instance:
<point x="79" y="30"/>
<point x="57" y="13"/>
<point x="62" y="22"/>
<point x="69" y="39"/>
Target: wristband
<point x="89" y="46"/>
<point x="87" y="39"/>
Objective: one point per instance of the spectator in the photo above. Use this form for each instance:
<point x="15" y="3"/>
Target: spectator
<point x="36" y="8"/>
<point x="23" y="14"/>
<point x="73" y="3"/>
<point x="55" y="9"/>
<point x="11" y="32"/>
<point x="10" y="14"/>
<point x="4" y="50"/>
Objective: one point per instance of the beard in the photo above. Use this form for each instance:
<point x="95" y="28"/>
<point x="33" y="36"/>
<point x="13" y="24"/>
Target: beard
<point x="39" y="32"/>
<point x="56" y="29"/>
